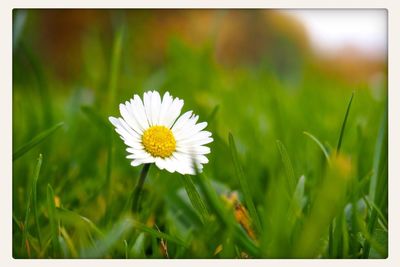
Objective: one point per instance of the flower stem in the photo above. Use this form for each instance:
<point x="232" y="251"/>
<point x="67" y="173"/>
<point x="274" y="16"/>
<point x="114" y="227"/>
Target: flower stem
<point x="138" y="189"/>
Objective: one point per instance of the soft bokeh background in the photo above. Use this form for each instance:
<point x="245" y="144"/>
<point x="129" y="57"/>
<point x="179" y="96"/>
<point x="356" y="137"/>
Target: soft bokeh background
<point x="262" y="75"/>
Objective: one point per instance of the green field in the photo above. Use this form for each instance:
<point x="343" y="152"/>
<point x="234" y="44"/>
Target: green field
<point x="298" y="166"/>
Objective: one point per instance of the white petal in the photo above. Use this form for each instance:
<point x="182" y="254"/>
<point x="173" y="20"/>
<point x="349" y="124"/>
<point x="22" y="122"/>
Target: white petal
<point x="173" y="112"/>
<point x="161" y="163"/>
<point x="155" y="107"/>
<point x="135" y="163"/>
<point x="193" y="137"/>
<point x="129" y="129"/>
<point x="165" y="105"/>
<point x="201" y="159"/>
<point x="147" y="107"/>
<point x="129" y="117"/>
<point x="186" y="127"/>
<point x="131" y="142"/>
<point x="123" y="129"/>
<point x="139" y="112"/>
<point x="185" y="161"/>
<point x="193" y="150"/>
<point x="170" y="164"/>
<point x="137" y="151"/>
<point x="114" y="121"/>
<point x="182" y="120"/>
<point x="196" y="142"/>
<point x="134" y="145"/>
<point x="190" y="130"/>
<point x="138" y="156"/>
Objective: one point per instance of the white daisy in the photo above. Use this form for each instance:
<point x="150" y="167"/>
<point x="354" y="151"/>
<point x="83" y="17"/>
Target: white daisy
<point x="155" y="133"/>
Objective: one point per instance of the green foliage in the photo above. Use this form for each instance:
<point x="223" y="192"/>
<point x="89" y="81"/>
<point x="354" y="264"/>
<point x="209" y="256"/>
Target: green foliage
<point x="290" y="189"/>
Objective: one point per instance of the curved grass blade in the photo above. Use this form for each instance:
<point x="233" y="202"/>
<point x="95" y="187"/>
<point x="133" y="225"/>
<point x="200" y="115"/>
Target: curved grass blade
<point x="35" y="141"/>
<point x="372" y="205"/>
<point x="121" y="228"/>
<point x="34" y="198"/>
<point x="312" y="137"/>
<point x="103" y="246"/>
<point x="157" y="234"/>
<point x="213" y="114"/>
<point x="96" y="118"/>
<point x="53" y="221"/>
<point x="226" y="217"/>
<point x="244" y="185"/>
<point x="69" y="217"/>
<point x="344" y="124"/>
<point x="290" y="177"/>
<point x="115" y="63"/>
<point x="195" y="197"/>
<point x="297" y="201"/>
<point x="43" y="88"/>
<point x="380" y="155"/>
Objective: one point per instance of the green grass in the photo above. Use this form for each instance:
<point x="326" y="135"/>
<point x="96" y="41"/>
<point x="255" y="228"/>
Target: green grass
<point x="275" y="145"/>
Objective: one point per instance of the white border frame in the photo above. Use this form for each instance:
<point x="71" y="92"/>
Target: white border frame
<point x="6" y="7"/>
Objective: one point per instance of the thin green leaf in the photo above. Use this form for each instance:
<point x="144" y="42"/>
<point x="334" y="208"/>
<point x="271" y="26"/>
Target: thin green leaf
<point x="35" y="141"/>
<point x="53" y="220"/>
<point x="225" y="216"/>
<point x="96" y="118"/>
<point x="156" y="233"/>
<point x="126" y="249"/>
<point x="298" y="196"/>
<point x="34" y="198"/>
<point x="380" y="154"/>
<point x="39" y="74"/>
<point x="312" y="137"/>
<point x="373" y="206"/>
<point x="244" y="185"/>
<point x="379" y="180"/>
<point x="195" y="197"/>
<point x="115" y="64"/>
<point x="72" y="218"/>
<point x="213" y="114"/>
<point x="290" y="177"/>
<point x="122" y="228"/>
<point x="102" y="246"/>
<point x="344" y="124"/>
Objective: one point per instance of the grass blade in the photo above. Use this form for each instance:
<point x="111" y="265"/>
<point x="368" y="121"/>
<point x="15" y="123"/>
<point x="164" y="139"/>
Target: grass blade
<point x="104" y="245"/>
<point x="195" y="197"/>
<point x="157" y="234"/>
<point x="380" y="154"/>
<point x="312" y="137"/>
<point x="212" y="115"/>
<point x="225" y="217"/>
<point x="34" y="198"/>
<point x="290" y="177"/>
<point x="43" y="88"/>
<point x="35" y="141"/>
<point x="328" y="202"/>
<point x="96" y="118"/>
<point x="344" y="124"/>
<point x="244" y="185"/>
<point x="297" y="202"/>
<point x="69" y="217"/>
<point x="115" y="63"/>
<point x="372" y="206"/>
<point x="53" y="221"/>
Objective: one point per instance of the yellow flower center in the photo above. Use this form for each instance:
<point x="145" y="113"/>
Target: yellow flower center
<point x="159" y="141"/>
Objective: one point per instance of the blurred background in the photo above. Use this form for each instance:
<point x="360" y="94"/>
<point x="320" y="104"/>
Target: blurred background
<point x="262" y="75"/>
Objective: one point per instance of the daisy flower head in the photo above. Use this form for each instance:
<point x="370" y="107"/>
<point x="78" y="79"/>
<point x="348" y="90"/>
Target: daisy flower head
<point x="154" y="132"/>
